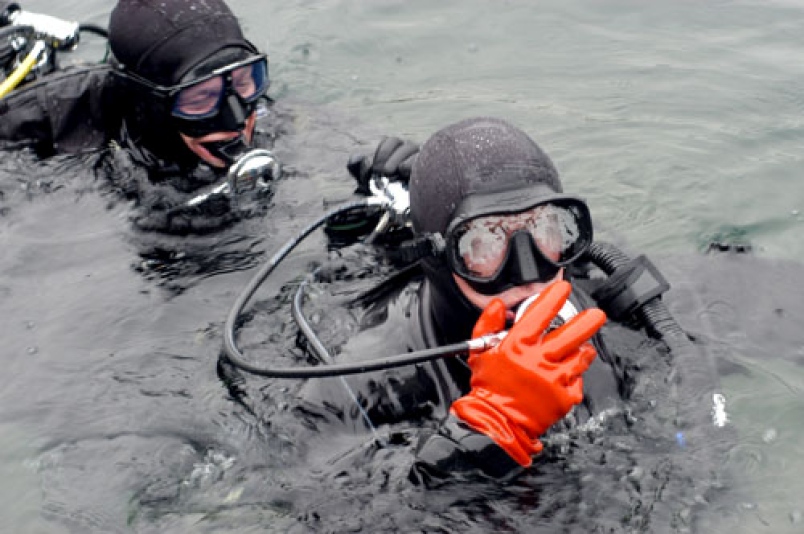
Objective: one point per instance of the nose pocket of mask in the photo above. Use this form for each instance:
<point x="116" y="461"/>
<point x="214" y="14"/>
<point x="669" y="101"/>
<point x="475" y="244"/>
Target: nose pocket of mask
<point x="233" y="114"/>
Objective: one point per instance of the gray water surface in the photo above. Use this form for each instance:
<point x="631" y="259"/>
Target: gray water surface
<point x="679" y="122"/>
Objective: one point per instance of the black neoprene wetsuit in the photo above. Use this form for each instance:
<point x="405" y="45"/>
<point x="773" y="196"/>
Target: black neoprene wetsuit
<point x="422" y="394"/>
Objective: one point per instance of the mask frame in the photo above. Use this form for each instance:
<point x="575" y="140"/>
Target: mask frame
<point x="232" y="109"/>
<point x="524" y="262"/>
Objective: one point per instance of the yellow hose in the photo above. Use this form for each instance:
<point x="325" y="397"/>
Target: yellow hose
<point x="22" y="70"/>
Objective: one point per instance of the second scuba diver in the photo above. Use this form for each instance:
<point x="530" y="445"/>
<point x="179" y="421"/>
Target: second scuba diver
<point x="181" y="99"/>
<point x="491" y="227"/>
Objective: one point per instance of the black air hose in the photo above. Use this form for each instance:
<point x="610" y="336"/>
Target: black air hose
<point x="93" y="28"/>
<point x="653" y="314"/>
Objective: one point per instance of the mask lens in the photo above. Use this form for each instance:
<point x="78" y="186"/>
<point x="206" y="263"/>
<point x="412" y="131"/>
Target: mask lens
<point x="203" y="99"/>
<point x="200" y="99"/>
<point x="481" y="246"/>
<point x="250" y="81"/>
<point x="482" y="243"/>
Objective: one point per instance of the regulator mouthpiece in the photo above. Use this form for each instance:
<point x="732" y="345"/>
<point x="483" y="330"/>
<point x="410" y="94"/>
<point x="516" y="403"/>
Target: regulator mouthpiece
<point x="567" y="312"/>
<point x="253" y="170"/>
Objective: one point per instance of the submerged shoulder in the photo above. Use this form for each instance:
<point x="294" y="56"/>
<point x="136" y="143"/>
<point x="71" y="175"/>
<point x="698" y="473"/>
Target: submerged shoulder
<point x="64" y="112"/>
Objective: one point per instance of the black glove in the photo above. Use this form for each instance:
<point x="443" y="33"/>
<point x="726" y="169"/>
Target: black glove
<point x="393" y="158"/>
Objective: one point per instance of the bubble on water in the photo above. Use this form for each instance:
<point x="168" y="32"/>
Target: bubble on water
<point x="636" y="473"/>
<point x="719" y="415"/>
<point x="213" y="466"/>
<point x="233" y="496"/>
<point x="32" y="350"/>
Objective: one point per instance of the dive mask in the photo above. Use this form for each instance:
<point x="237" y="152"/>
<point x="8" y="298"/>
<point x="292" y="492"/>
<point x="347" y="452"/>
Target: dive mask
<point x="495" y="249"/>
<point x="219" y="101"/>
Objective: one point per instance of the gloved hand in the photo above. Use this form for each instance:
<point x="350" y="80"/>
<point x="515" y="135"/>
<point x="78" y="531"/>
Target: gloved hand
<point x="531" y="379"/>
<point x="393" y="158"/>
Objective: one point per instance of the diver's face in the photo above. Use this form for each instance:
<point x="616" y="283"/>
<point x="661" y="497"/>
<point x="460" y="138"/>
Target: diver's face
<point x="196" y="144"/>
<point x="511" y="297"/>
<point x="220" y="106"/>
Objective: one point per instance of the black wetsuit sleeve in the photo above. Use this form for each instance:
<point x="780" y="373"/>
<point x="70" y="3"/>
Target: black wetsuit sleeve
<point x="456" y="448"/>
<point x="65" y="112"/>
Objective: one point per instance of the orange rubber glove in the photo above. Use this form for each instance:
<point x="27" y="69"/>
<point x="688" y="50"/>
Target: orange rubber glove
<point x="531" y="379"/>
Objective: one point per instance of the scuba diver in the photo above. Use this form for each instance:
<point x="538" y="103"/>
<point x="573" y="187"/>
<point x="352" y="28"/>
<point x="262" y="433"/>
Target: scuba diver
<point x="488" y="228"/>
<point x="494" y="198"/>
<point x="179" y="109"/>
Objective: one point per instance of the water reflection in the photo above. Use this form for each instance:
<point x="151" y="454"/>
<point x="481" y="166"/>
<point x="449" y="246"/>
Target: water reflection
<point x="113" y="415"/>
<point x="136" y="428"/>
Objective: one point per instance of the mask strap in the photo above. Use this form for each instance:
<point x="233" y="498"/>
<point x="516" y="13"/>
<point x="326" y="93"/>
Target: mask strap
<point x="426" y="246"/>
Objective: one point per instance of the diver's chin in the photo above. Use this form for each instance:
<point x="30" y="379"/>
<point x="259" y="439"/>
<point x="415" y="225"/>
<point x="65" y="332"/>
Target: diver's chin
<point x="198" y="146"/>
<point x="511" y="297"/>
